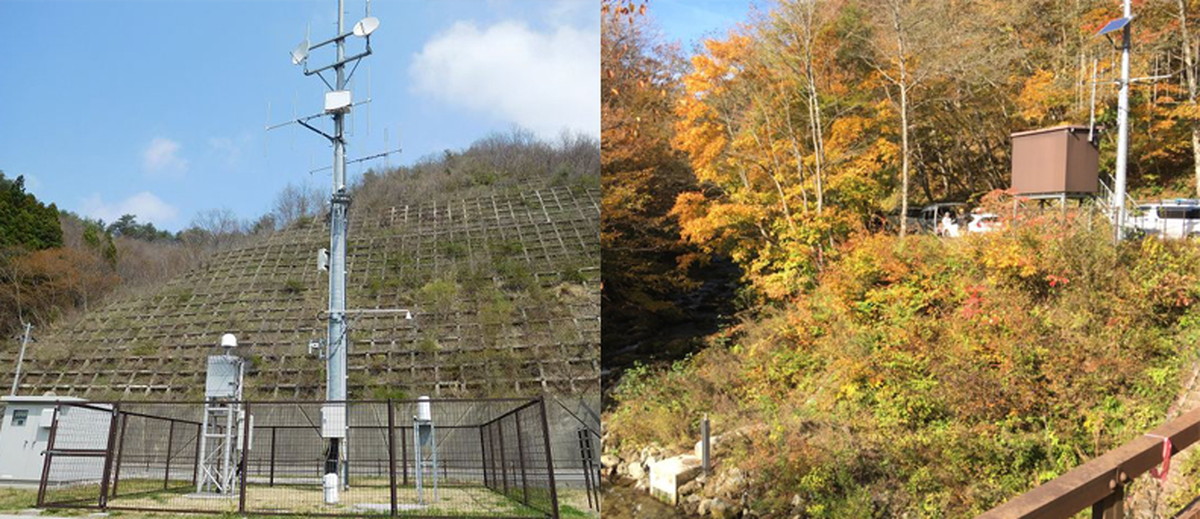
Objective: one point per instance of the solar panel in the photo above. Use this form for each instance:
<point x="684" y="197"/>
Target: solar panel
<point x="1114" y="25"/>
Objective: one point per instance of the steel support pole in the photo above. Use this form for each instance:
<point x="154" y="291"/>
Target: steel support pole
<point x="245" y="455"/>
<point x="120" y="455"/>
<point x="108" y="457"/>
<point x="521" y="455"/>
<point x="549" y="458"/>
<point x="41" y="496"/>
<point x="199" y="440"/>
<point x="339" y="202"/>
<point x="503" y="459"/>
<point x="170" y="447"/>
<point x="391" y="441"/>
<point x="272" y="477"/>
<point x="483" y="456"/>
<point x="1122" y="129"/>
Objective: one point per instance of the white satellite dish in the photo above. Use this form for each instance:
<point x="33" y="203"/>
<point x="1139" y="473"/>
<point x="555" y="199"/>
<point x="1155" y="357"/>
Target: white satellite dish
<point x="366" y="26"/>
<point x="300" y="53"/>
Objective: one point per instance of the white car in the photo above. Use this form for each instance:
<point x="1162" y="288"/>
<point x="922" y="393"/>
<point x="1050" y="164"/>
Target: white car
<point x="1178" y="218"/>
<point x="983" y="222"/>
<point x="933" y="216"/>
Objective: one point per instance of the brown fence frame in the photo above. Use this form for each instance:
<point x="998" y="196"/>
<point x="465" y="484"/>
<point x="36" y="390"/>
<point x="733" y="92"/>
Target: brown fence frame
<point x="1100" y="483"/>
<point x="115" y="446"/>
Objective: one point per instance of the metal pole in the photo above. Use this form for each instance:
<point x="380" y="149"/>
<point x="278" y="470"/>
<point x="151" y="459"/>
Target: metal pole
<point x="272" y="477"/>
<point x="391" y="441"/>
<point x="1122" y="128"/>
<point x="41" y="496"/>
<point x="20" y="359"/>
<point x="245" y="455"/>
<point x="549" y="459"/>
<point x="170" y="445"/>
<point x="419" y="463"/>
<point x="521" y="455"/>
<point x="199" y="440"/>
<point x="705" y="443"/>
<point x="1092" y="117"/>
<point x="503" y="459"/>
<point x="120" y="454"/>
<point x="583" y="461"/>
<point x="108" y="456"/>
<point x="404" y="455"/>
<point x="483" y="456"/>
<point x="338" y="204"/>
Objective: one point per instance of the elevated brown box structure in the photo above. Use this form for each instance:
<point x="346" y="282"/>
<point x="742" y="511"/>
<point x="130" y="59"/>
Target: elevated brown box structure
<point x="1054" y="162"/>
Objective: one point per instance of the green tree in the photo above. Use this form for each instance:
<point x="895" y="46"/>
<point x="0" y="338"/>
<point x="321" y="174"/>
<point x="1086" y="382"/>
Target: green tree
<point x="24" y="221"/>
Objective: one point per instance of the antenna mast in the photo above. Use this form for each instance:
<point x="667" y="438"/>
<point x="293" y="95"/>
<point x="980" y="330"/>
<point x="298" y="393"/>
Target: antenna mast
<point x="339" y="203"/>
<point x="337" y="104"/>
<point x="1122" y="126"/>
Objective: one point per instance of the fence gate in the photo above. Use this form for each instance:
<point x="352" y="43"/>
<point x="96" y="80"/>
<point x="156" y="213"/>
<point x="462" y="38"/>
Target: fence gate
<point x="79" y="456"/>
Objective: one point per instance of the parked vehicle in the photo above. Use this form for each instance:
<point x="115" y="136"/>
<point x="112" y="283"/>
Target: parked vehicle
<point x="983" y="222"/>
<point x="1179" y="218"/>
<point x="934" y="217"/>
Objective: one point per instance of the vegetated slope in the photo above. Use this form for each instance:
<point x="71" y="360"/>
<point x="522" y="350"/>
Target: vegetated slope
<point x="503" y="287"/>
<point x="930" y="377"/>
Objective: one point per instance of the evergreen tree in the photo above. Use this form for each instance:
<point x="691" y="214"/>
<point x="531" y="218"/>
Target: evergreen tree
<point x="24" y="221"/>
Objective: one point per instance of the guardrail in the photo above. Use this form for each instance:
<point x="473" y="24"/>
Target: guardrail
<point x="1100" y="483"/>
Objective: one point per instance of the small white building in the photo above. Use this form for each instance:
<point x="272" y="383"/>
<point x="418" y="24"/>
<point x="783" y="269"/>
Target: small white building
<point x="24" y="435"/>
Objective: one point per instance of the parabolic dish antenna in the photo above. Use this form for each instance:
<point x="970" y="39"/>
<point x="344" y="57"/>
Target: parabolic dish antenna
<point x="300" y="53"/>
<point x="366" y="26"/>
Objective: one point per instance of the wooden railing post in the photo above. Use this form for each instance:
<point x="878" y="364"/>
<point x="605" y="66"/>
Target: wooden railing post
<point x="1113" y="506"/>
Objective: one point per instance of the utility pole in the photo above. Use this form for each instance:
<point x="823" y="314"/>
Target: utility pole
<point x="20" y="359"/>
<point x="1122" y="127"/>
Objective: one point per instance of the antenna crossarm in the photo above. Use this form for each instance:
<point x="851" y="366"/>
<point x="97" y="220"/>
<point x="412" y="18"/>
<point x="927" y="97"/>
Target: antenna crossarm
<point x="339" y="63"/>
<point x="318" y="130"/>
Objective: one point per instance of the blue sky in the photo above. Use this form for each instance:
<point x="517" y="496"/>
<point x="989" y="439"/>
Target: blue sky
<point x="159" y="108"/>
<point x="689" y="21"/>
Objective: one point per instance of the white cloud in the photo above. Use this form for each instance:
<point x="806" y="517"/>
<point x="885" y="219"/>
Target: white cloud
<point x="161" y="157"/>
<point x="147" y="207"/>
<point x="544" y="81"/>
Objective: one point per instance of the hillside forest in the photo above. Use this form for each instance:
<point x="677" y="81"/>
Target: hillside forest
<point x="871" y="370"/>
<point x="55" y="264"/>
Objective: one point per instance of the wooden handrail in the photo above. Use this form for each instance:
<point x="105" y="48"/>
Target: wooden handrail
<point x="1100" y="482"/>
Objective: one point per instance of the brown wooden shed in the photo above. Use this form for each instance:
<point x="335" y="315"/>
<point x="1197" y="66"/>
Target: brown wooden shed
<point x="1054" y="161"/>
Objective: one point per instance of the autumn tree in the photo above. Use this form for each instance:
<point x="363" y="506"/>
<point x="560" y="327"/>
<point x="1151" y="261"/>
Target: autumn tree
<point x="641" y="172"/>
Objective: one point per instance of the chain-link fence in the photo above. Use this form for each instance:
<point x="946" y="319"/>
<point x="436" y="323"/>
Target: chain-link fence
<point x="453" y="458"/>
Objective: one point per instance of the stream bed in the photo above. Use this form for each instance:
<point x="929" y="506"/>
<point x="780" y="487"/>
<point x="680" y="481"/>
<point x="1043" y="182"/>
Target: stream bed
<point x="622" y="501"/>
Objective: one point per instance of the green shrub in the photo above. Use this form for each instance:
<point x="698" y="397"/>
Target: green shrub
<point x="293" y="286"/>
<point x="941" y="377"/>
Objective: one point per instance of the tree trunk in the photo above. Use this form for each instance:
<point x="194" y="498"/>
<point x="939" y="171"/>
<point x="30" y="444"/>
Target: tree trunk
<point x="903" y="154"/>
<point x="1189" y="72"/>
<point x="901" y="62"/>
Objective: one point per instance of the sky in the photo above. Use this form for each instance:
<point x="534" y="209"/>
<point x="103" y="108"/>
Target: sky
<point x="690" y="21"/>
<point x="159" y="109"/>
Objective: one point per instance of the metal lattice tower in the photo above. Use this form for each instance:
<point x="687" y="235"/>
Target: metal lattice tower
<point x="220" y="438"/>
